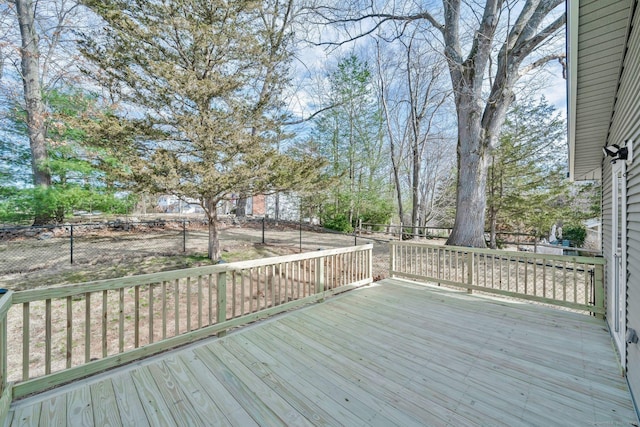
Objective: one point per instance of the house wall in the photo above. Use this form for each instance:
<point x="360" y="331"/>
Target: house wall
<point x="288" y="206"/>
<point x="626" y="126"/>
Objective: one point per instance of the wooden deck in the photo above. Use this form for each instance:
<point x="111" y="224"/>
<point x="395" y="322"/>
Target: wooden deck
<point x="394" y="353"/>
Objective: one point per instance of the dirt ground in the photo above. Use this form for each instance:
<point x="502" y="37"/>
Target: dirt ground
<point x="32" y="263"/>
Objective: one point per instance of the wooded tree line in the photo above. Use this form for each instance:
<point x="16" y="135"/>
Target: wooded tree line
<point x="413" y="118"/>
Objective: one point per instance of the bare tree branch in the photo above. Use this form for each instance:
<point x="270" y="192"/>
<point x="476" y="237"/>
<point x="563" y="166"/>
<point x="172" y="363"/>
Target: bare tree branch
<point x="561" y="57"/>
<point x="303" y="120"/>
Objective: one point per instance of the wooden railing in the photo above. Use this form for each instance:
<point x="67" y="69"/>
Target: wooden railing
<point x="569" y="281"/>
<point x="63" y="333"/>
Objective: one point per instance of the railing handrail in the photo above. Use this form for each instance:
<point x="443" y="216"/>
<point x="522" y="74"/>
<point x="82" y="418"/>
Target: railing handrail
<point x="580" y="259"/>
<point x="5" y="303"/>
<point x="31" y="295"/>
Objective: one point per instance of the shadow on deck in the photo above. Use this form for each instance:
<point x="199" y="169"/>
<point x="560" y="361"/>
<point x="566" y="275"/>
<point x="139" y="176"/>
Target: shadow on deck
<point x="394" y="353"/>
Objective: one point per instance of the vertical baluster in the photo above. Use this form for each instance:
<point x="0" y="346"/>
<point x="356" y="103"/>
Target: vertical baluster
<point x="575" y="281"/>
<point x="535" y="274"/>
<point x="121" y="321"/>
<point x="188" y="302"/>
<point x="210" y="298"/>
<point x="553" y="280"/>
<point x="151" y="314"/>
<point x="87" y="327"/>
<point x="164" y="309"/>
<point x="136" y="316"/>
<point x="221" y="300"/>
<point x="298" y="278"/>
<point x="251" y="295"/>
<point x="526" y="274"/>
<point x="176" y="307"/>
<point x="69" y="331"/>
<point x="493" y="268"/>
<point x="564" y="280"/>
<point x="104" y="319"/>
<point x="26" y="350"/>
<point x="242" y="292"/>
<point x="47" y="336"/>
<point x="544" y="278"/>
<point x="517" y="272"/>
<point x="200" y="297"/>
<point x="234" y="289"/>
<point x="288" y="285"/>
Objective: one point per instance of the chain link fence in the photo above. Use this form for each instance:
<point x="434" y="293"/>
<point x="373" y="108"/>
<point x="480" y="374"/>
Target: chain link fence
<point x="76" y="252"/>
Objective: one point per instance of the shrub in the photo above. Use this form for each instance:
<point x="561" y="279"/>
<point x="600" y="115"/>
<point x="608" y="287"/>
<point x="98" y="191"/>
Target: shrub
<point x="575" y="233"/>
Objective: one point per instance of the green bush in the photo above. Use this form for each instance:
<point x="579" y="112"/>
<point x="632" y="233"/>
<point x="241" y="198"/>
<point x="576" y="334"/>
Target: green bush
<point x="575" y="233"/>
<point x="338" y="222"/>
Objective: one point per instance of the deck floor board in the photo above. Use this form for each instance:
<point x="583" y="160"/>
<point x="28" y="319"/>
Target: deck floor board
<point x="395" y="353"/>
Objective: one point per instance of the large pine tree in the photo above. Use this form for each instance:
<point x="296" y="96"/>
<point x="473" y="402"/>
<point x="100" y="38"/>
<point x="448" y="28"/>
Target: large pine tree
<point x="205" y="76"/>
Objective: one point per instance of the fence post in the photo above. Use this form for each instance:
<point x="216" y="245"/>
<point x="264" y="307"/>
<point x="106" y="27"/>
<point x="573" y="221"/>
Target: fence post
<point x="221" y="300"/>
<point x="599" y="288"/>
<point x="400" y="234"/>
<point x="184" y="235"/>
<point x="263" y="220"/>
<point x="320" y="277"/>
<point x="470" y="262"/>
<point x="71" y="245"/>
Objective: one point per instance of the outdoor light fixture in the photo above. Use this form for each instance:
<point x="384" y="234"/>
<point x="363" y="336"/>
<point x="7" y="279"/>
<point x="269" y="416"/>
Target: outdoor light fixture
<point x="616" y="152"/>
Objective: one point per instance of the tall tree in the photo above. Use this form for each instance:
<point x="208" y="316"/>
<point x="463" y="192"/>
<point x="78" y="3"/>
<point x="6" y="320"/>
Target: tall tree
<point x="85" y="175"/>
<point x="350" y="137"/>
<point x="206" y="76"/>
<point x="34" y="105"/>
<point x="35" y="49"/>
<point x="413" y="96"/>
<point x="489" y="46"/>
<point x="528" y="171"/>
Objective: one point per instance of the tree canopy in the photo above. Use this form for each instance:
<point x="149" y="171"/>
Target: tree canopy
<point x="205" y="79"/>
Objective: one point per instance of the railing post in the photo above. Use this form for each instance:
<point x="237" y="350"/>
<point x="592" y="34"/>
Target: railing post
<point x="320" y="276"/>
<point x="470" y="268"/>
<point x="599" y="288"/>
<point x="221" y="300"/>
<point x="392" y="259"/>
<point x="6" y="393"/>
<point x="370" y="263"/>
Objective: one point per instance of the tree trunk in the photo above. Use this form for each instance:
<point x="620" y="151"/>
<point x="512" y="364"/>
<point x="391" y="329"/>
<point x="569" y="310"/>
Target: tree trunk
<point x="214" y="241"/>
<point x="241" y="206"/>
<point x="34" y="106"/>
<point x="473" y="165"/>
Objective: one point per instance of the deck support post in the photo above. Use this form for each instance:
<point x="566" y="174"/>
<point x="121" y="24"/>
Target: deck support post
<point x="221" y="300"/>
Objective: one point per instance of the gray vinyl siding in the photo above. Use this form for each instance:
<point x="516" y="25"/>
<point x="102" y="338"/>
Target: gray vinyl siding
<point x="625" y="126"/>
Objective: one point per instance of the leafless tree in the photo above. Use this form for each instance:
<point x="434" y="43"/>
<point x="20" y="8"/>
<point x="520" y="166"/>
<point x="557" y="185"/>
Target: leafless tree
<point x="489" y="46"/>
<point x="413" y="98"/>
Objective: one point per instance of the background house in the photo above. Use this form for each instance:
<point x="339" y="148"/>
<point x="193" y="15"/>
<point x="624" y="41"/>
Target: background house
<point x="604" y="111"/>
